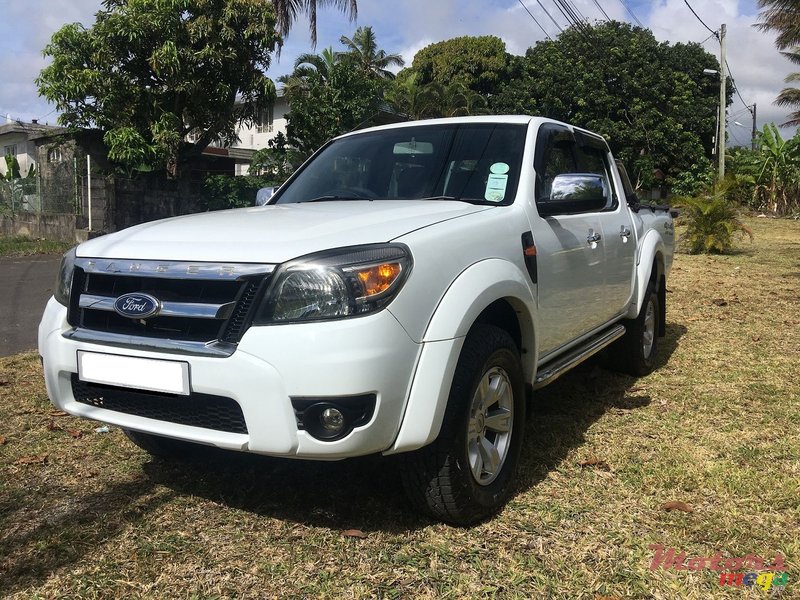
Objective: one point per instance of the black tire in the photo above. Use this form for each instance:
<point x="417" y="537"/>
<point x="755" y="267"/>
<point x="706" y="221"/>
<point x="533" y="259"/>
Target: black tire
<point x="630" y="353"/>
<point x="163" y="447"/>
<point x="439" y="478"/>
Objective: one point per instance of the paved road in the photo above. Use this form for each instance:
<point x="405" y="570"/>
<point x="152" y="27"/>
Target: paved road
<point x="26" y="283"/>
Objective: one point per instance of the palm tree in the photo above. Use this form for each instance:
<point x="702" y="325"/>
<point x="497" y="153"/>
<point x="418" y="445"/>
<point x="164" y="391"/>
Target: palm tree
<point x="287" y="11"/>
<point x="783" y="16"/>
<point x="305" y="66"/>
<point x="363" y="50"/>
<point x="790" y="96"/>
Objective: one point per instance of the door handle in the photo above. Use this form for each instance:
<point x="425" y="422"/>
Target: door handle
<point x="624" y="232"/>
<point x="593" y="238"/>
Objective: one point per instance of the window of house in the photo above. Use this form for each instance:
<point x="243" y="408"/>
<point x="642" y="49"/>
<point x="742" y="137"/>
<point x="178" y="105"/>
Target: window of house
<point x="264" y="123"/>
<point x="12" y="150"/>
<point x="54" y="155"/>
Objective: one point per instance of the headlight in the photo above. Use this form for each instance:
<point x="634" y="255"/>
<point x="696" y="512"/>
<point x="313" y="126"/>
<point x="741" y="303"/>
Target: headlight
<point x="64" y="278"/>
<point x="335" y="284"/>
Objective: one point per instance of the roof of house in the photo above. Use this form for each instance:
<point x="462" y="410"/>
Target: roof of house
<point x="29" y="128"/>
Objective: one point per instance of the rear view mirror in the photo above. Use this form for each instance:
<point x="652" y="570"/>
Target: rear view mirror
<point x="263" y="195"/>
<point x="574" y="193"/>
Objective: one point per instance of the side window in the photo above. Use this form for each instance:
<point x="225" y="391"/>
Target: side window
<point x="595" y="161"/>
<point x="559" y="158"/>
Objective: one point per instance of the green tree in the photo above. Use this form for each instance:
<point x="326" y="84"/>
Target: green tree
<point x="408" y="97"/>
<point x="783" y="16"/>
<point x="149" y="73"/>
<point x="363" y="52"/>
<point x="479" y="63"/>
<point x="650" y="100"/>
<point x="334" y="92"/>
<point x="325" y="107"/>
<point x="778" y="178"/>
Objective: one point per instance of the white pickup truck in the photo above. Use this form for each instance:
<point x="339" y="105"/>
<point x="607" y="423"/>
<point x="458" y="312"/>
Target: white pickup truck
<point x="400" y="294"/>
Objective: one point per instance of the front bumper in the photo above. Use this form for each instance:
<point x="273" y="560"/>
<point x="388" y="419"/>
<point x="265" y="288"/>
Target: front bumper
<point x="272" y="364"/>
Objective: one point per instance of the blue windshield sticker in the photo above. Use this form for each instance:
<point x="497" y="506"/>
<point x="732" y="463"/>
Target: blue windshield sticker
<point x="499" y="168"/>
<point x="496" y="187"/>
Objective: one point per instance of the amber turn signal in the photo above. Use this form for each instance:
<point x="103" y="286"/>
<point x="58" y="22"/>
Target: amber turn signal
<point x="378" y="278"/>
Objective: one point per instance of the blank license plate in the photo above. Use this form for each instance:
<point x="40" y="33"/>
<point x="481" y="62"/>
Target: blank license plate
<point x="168" y="376"/>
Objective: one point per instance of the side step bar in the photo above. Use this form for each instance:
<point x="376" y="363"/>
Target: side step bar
<point x="551" y="371"/>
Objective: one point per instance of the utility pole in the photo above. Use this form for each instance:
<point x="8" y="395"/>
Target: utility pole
<point x="755" y="131"/>
<point x="723" y="77"/>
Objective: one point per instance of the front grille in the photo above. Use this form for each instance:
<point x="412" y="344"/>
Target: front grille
<point x="200" y="302"/>
<point x="198" y="410"/>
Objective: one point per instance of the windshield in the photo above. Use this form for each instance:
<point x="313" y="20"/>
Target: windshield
<point x="474" y="162"/>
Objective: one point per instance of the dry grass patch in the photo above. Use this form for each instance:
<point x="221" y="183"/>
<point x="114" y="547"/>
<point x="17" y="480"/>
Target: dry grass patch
<point x="88" y="515"/>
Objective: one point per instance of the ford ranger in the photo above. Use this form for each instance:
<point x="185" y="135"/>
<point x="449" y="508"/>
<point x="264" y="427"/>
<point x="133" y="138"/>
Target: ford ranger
<point x="401" y="294"/>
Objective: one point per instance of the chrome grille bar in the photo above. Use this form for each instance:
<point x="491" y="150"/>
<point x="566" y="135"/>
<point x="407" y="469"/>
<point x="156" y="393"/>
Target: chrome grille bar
<point x="173" y="269"/>
<point x="191" y="310"/>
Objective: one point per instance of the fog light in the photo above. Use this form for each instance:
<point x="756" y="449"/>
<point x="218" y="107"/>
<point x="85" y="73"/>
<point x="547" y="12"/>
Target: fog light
<point x="332" y="420"/>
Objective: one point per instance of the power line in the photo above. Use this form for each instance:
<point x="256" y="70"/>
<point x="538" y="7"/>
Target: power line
<point x="699" y="19"/>
<point x="549" y="15"/>
<point x="631" y="13"/>
<point x="597" y="4"/>
<point x="535" y="20"/>
<point x="735" y="87"/>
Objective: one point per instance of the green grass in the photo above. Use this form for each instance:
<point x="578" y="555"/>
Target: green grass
<point x="717" y="426"/>
<point x="24" y="246"/>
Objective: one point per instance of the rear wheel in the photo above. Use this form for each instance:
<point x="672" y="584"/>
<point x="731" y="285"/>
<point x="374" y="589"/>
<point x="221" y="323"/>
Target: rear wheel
<point x="467" y="474"/>
<point x="635" y="352"/>
<point x="163" y="447"/>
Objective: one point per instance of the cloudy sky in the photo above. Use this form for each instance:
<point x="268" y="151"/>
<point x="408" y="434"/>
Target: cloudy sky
<point x="407" y="26"/>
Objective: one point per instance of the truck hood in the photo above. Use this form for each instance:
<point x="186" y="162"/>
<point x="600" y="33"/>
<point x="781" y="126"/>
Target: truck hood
<point x="273" y="234"/>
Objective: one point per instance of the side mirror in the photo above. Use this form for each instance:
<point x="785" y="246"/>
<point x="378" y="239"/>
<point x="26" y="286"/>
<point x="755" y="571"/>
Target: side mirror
<point x="574" y="193"/>
<point x="263" y="195"/>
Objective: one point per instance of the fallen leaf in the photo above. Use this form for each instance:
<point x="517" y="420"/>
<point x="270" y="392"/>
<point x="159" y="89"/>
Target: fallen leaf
<point x="4" y="382"/>
<point x="755" y="338"/>
<point x="3" y="440"/>
<point x="719" y="302"/>
<point x="595" y="462"/>
<point x="51" y="426"/>
<point x="677" y="505"/>
<point x="29" y="460"/>
<point x="354" y="533"/>
<point x="58" y="413"/>
<point x="75" y="433"/>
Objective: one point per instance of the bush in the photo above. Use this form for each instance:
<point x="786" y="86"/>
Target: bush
<point x="712" y="221"/>
<point x="224" y="191"/>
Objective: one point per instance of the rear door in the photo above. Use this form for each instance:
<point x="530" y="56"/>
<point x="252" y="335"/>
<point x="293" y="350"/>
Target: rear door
<point x="619" y="238"/>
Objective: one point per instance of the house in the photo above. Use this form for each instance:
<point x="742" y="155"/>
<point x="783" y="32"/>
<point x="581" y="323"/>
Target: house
<point x="255" y="136"/>
<point x="16" y="139"/>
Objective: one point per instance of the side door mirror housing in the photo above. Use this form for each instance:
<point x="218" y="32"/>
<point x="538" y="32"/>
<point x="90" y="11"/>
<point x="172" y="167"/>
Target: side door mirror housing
<point x="574" y="193"/>
<point x="263" y="195"/>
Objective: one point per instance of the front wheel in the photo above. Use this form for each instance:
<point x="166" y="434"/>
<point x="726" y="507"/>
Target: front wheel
<point x="467" y="474"/>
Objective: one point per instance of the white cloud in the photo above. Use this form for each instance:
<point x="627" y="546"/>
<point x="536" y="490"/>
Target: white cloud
<point x="407" y="26"/>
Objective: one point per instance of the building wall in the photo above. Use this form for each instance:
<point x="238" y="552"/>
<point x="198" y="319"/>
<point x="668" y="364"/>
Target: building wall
<point x="25" y="151"/>
<point x="257" y="136"/>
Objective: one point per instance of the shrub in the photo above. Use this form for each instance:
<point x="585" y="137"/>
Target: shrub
<point x="712" y="221"/>
<point x="225" y="191"/>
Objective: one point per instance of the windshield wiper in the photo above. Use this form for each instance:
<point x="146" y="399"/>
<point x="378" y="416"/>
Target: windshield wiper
<point x="478" y="201"/>
<point x="328" y="198"/>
